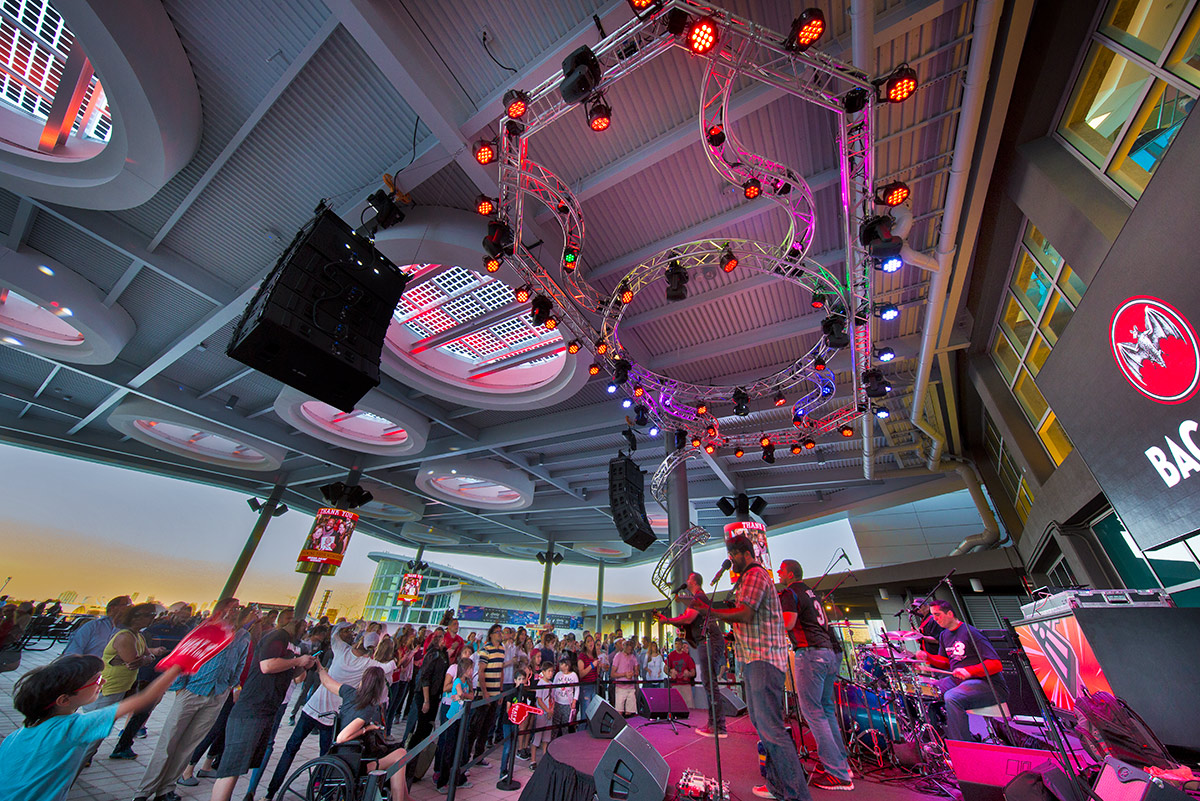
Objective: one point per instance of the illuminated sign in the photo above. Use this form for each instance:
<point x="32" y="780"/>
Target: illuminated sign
<point x="410" y="589"/>
<point x="329" y="538"/>
<point x="757" y="534"/>
<point x="1155" y="347"/>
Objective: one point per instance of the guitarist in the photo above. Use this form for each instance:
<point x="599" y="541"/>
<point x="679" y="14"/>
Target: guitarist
<point x="704" y="632"/>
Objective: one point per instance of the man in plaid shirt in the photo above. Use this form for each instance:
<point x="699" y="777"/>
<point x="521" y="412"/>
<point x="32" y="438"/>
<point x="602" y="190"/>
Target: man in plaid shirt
<point x="762" y="647"/>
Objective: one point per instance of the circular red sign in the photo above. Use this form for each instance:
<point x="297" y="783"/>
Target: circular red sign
<point x="1155" y="348"/>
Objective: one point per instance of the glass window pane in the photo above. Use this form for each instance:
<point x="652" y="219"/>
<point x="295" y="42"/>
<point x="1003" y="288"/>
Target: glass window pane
<point x="1055" y="438"/>
<point x="1024" y="501"/>
<point x="1124" y="553"/>
<point x="1161" y="116"/>
<point x="1016" y="323"/>
<point x="1005" y="357"/>
<point x="1041" y="249"/>
<point x="1105" y="96"/>
<point x="1030" y="284"/>
<point x="1055" y="320"/>
<point x="1071" y="285"/>
<point x="1030" y="398"/>
<point x="1144" y="26"/>
<point x="991" y="438"/>
<point x="1185" y="60"/>
<point x="1174" y="564"/>
<point x="1010" y="475"/>
<point x="1187" y="598"/>
<point x="1038" y="352"/>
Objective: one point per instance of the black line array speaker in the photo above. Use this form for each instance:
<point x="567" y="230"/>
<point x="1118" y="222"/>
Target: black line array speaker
<point x="604" y="721"/>
<point x="319" y="319"/>
<point x="659" y="702"/>
<point x="627" y="502"/>
<point x="631" y="770"/>
<point x="1021" y="699"/>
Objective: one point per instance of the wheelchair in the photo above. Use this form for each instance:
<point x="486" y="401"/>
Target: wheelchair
<point x="340" y="775"/>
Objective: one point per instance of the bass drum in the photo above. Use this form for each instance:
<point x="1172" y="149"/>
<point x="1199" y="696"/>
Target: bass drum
<point x="866" y="716"/>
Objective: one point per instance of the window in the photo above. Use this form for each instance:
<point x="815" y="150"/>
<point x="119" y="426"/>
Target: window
<point x="1012" y="477"/>
<point x="1136" y="87"/>
<point x="1061" y="574"/>
<point x="1124" y="553"/>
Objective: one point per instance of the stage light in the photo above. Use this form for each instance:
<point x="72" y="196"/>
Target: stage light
<point x="806" y="30"/>
<point x="808" y="444"/>
<point x="485" y="151"/>
<point x="695" y="442"/>
<point x="680" y="437"/>
<point x="639" y="6"/>
<point x="581" y="74"/>
<point x="764" y="441"/>
<point x="601" y="347"/>
<point x="888" y="311"/>
<point x="741" y="402"/>
<point x="900" y="84"/>
<point x="846" y="430"/>
<point x="653" y="431"/>
<point x="891" y="264"/>
<point x="624" y="293"/>
<point x="875" y="234"/>
<point x="541" y="308"/>
<point x="711" y="431"/>
<point x="818" y="300"/>
<point x="715" y="135"/>
<point x="758" y="505"/>
<point x="780" y="399"/>
<point x="630" y="440"/>
<point x="710" y="448"/>
<point x="612" y="387"/>
<point x="701" y="408"/>
<point x="522" y="294"/>
<point x="795" y="450"/>
<point x="768" y="453"/>
<point x="738" y="453"/>
<point x="626" y="403"/>
<point x="499" y="239"/>
<point x="573" y="347"/>
<point x="599" y="115"/>
<point x="552" y="323"/>
<point x="570" y="258"/>
<point x="638" y="391"/>
<point x="516" y="103"/>
<point x="485" y="206"/>
<point x="677" y="279"/>
<point x="593" y="369"/>
<point x="752" y="188"/>
<point x="855" y="100"/>
<point x="641" y="415"/>
<point x="892" y="194"/>
<point x="729" y="262"/>
<point x="876" y="385"/>
<point x="621" y="368"/>
<point x="882" y="413"/>
<point x="826" y="390"/>
<point x="885" y="354"/>
<point x="491" y="263"/>
<point x="702" y="35"/>
<point x="834" y="329"/>
<point x="818" y="363"/>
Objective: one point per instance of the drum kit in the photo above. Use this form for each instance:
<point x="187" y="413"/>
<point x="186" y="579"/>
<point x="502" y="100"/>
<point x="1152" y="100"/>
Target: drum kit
<point x="890" y="713"/>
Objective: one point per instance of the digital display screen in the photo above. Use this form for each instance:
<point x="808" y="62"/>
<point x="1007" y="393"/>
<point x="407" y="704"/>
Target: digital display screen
<point x="410" y="588"/>
<point x="757" y="534"/>
<point x="329" y="537"/>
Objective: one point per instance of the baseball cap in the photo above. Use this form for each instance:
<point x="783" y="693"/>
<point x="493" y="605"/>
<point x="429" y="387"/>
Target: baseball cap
<point x="370" y="639"/>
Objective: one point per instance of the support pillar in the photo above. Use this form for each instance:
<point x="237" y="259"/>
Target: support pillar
<point x="599" y="599"/>
<point x="265" y="513"/>
<point x="546" y="581"/>
<point x="308" y="590"/>
<point x="677" y="519"/>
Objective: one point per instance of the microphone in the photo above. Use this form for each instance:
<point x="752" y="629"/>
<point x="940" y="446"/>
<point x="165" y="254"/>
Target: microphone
<point x="724" y="566"/>
<point x="682" y="587"/>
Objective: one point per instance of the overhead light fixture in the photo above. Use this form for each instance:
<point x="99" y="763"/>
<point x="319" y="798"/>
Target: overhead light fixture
<point x="570" y="258"/>
<point x="491" y="263"/>
<point x="887" y="311"/>
<point x="741" y="402"/>
<point x="485" y="206"/>
<point x="599" y="115"/>
<point x="484" y="151"/>
<point x="882" y="413"/>
<point x="819" y="363"/>
<point x="581" y="75"/>
<point x="834" y="329"/>
<point x="387" y="214"/>
<point x="621" y="368"/>
<point x="701" y="409"/>
<point x="711" y="431"/>
<point x="738" y="453"/>
<point x="885" y="354"/>
<point x="499" y="239"/>
<point x="846" y="430"/>
<point x="232" y="403"/>
<point x="892" y="194"/>
<point x="764" y="440"/>
<point x="876" y="236"/>
<point x="806" y="30"/>
<point x="522" y="294"/>
<point x="758" y="505"/>
<point x="639" y="6"/>
<point x="626" y="403"/>
<point x="710" y="448"/>
<point x="624" y="293"/>
<point x="875" y="384"/>
<point x="795" y="450"/>
<point x="601" y="347"/>
<point x="641" y="415"/>
<point x="516" y="103"/>
<point x="729" y="261"/>
<point x="855" y="100"/>
<point x="780" y="399"/>
<point x="638" y="391"/>
<point x="677" y="279"/>
<point x="680" y="437"/>
<point x="715" y="135"/>
<point x="818" y="300"/>
<point x="652" y="431"/>
<point x="768" y="453"/>
<point x="612" y="387"/>
<point x="900" y="85"/>
<point x="593" y="369"/>
<point x="552" y="323"/>
<point x="703" y="35"/>
<point x="752" y="188"/>
<point x="808" y="444"/>
<point x="695" y="442"/>
<point x="573" y="347"/>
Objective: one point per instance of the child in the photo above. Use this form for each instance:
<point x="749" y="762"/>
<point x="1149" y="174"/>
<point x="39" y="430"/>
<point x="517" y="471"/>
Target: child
<point x="42" y="759"/>
<point x="566" y="695"/>
<point x="521" y="677"/>
<point x="543" y="700"/>
<point x="459" y="695"/>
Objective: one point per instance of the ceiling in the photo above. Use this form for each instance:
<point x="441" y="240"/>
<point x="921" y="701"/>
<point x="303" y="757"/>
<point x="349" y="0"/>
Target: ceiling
<point x="303" y="100"/>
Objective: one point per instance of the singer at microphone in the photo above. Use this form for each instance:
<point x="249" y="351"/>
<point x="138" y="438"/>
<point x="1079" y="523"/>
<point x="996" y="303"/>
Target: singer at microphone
<point x="724" y="566"/>
<point x="702" y="630"/>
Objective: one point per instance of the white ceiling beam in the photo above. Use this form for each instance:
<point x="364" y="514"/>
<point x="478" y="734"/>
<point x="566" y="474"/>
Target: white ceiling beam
<point x="22" y="224"/>
<point x="131" y="272"/>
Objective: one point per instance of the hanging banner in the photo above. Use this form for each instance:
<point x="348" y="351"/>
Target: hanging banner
<point x="327" y="541"/>
<point x="410" y="589"/>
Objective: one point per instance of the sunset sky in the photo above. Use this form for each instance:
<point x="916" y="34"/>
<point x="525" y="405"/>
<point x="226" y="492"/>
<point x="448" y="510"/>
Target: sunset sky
<point x="72" y="525"/>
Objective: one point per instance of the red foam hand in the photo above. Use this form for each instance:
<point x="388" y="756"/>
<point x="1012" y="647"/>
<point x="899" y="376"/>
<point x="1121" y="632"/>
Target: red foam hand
<point x="519" y="711"/>
<point x="199" y="646"/>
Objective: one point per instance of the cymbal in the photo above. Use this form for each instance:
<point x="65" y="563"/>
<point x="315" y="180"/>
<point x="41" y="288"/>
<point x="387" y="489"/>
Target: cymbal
<point x="902" y="635"/>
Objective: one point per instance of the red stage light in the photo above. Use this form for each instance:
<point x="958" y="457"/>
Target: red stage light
<point x="516" y="103"/>
<point x="716" y="135"/>
<point x="846" y="431"/>
<point x="593" y="369"/>
<point x="601" y="347"/>
<point x="892" y="194"/>
<point x="485" y="205"/>
<point x="695" y="442"/>
<point x="626" y="294"/>
<point x="809" y="444"/>
<point x="712" y="431"/>
<point x="818" y="363"/>
<point x="765" y="441"/>
<point x="702" y="408"/>
<point x="639" y="6"/>
<point x="739" y="453"/>
<point x="818" y="300"/>
<point x="795" y="450"/>
<point x="485" y="151"/>
<point x="710" y="448"/>
<point x="599" y="116"/>
<point x="729" y="262"/>
<point x="574" y="347"/>
<point x="521" y="294"/>
<point x="901" y="84"/>
<point x="780" y="399"/>
<point x="752" y="188"/>
<point x="551" y="323"/>
<point x="491" y="263"/>
<point x="703" y="35"/>
<point x="807" y="29"/>
<point x="638" y="391"/>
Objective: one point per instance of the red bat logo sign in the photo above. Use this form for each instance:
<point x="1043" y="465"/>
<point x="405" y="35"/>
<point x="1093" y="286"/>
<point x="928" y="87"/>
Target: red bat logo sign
<point x="198" y="647"/>
<point x="519" y="711"/>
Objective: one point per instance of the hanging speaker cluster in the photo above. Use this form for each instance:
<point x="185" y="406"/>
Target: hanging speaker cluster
<point x="627" y="502"/>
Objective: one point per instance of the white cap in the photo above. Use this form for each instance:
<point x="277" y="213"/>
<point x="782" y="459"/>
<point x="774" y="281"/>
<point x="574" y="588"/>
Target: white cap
<point x="370" y="639"/>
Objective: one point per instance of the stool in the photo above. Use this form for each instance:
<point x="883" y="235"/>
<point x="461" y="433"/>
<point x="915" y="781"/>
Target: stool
<point x="993" y="711"/>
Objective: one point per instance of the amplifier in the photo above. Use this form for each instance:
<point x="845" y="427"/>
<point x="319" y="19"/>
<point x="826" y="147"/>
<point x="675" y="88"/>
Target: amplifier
<point x="1075" y="599"/>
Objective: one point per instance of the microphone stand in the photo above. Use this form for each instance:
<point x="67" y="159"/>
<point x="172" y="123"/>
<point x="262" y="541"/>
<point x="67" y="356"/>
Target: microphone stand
<point x="712" y="683"/>
<point x="1001" y="706"/>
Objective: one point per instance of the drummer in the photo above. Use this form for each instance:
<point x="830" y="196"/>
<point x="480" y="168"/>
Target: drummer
<point x="974" y="669"/>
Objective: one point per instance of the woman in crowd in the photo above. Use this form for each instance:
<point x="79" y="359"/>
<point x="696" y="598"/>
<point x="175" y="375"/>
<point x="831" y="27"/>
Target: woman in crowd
<point x="385" y="655"/>
<point x="427" y="694"/>
<point x="656" y="667"/>
<point x="125" y="653"/>
<point x="401" y="687"/>
<point x="458" y="696"/>
<point x="588" y="672"/>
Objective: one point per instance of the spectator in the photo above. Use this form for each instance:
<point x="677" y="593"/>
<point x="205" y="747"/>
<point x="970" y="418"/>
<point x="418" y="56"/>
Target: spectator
<point x="521" y="676"/>
<point x="402" y="678"/>
<point x="429" y="689"/>
<point x="93" y="636"/>
<point x="588" y="671"/>
<point x="125" y="653"/>
<point x="655" y="674"/>
<point x="318" y="646"/>
<point x="682" y="669"/>
<point x="490" y="678"/>
<point x="164" y="633"/>
<point x="451" y="641"/>
<point x="198" y="701"/>
<point x="41" y="759"/>
<point x="546" y="703"/>
<point x="625" y="674"/>
<point x="459" y="696"/>
<point x="566" y="696"/>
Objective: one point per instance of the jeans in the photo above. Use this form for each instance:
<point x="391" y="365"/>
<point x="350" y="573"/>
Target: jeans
<point x="816" y="675"/>
<point x="305" y="726"/>
<point x="510" y="737"/>
<point x="961" y="696"/>
<point x="444" y="759"/>
<point x="398" y="694"/>
<point x="764" y="702"/>
<point x="712" y="657"/>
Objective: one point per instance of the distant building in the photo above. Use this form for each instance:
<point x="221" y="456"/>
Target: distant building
<point x="478" y="602"/>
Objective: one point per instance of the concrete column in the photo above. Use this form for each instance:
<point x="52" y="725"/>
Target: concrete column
<point x="677" y="519"/>
<point x="308" y="590"/>
<point x="265" y="513"/>
<point x="599" y="599"/>
<point x="546" y="580"/>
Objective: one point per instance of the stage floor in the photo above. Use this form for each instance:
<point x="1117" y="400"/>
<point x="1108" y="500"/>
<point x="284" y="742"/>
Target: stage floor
<point x="686" y="749"/>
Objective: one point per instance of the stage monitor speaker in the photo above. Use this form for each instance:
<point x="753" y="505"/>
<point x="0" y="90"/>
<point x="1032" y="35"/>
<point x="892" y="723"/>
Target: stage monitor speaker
<point x="732" y="703"/>
<point x="631" y="770"/>
<point x="983" y="770"/>
<point x="1120" y="781"/>
<point x="318" y="321"/>
<point x="657" y="702"/>
<point x="627" y="503"/>
<point x="604" y="721"/>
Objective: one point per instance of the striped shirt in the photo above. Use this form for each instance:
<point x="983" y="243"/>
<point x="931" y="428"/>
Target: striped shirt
<point x="491" y="668"/>
<point x="763" y="637"/>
